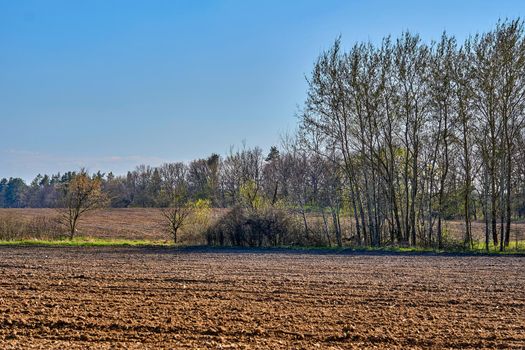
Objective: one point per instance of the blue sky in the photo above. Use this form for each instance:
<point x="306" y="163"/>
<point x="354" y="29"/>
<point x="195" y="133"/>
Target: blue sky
<point x="112" y="84"/>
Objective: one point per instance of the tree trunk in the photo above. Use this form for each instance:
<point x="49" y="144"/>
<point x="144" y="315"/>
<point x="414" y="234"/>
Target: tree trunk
<point x="326" y="230"/>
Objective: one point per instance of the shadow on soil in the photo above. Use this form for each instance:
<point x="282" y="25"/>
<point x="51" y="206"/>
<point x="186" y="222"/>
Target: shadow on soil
<point x="326" y="251"/>
<point x="163" y="249"/>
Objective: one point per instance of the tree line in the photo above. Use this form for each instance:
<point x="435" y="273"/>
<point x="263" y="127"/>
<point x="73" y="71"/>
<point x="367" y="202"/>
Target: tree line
<point x="393" y="139"/>
<point x="423" y="132"/>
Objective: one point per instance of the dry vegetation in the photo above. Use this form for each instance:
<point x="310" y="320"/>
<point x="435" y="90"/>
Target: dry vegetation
<point x="171" y="298"/>
<point x="135" y="223"/>
<point x="146" y="224"/>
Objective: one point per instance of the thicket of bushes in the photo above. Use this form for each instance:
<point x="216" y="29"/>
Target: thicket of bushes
<point x="246" y="227"/>
<point x="39" y="227"/>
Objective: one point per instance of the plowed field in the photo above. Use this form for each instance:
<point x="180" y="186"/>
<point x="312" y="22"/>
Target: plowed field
<point x="92" y="297"/>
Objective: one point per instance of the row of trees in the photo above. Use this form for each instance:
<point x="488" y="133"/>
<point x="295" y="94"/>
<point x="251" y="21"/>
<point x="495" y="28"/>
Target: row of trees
<point x="393" y="140"/>
<point x="73" y="194"/>
<point x="43" y="192"/>
<point x="295" y="180"/>
<point x="421" y="129"/>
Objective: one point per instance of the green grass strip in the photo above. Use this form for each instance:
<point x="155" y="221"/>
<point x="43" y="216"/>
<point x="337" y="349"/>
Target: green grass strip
<point x="84" y="242"/>
<point x="107" y="242"/>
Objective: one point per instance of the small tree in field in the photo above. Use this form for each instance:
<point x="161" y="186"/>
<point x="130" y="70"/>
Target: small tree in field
<point x="80" y="195"/>
<point x="176" y="215"/>
<point x="174" y="196"/>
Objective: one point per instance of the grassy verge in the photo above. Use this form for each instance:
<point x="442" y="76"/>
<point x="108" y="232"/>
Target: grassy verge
<point x="84" y="242"/>
<point x="513" y="246"/>
<point x="513" y="249"/>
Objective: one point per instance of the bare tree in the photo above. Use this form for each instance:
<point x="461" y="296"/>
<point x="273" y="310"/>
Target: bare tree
<point x="80" y="195"/>
<point x="176" y="216"/>
<point x="177" y="207"/>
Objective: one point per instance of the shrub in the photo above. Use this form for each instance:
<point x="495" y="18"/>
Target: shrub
<point x="44" y="227"/>
<point x="10" y="227"/>
<point x="39" y="227"/>
<point x="254" y="228"/>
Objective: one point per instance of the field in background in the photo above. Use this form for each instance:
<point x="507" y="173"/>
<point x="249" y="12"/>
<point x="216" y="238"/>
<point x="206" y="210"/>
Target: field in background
<point x="145" y="224"/>
<point x="131" y="224"/>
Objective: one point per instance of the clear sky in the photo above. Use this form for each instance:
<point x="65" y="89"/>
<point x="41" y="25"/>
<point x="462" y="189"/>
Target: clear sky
<point x="112" y="84"/>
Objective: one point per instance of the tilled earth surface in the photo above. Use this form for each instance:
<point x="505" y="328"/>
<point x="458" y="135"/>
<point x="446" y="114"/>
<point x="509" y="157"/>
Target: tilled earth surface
<point x="154" y="298"/>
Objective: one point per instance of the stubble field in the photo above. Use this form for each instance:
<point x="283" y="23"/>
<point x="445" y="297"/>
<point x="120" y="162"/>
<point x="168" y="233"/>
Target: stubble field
<point x="115" y="297"/>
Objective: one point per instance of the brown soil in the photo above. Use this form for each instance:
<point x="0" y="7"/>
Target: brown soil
<point x="93" y="297"/>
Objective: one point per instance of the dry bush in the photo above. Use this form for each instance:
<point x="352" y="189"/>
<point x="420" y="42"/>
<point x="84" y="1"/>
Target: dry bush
<point x="44" y="227"/>
<point x="190" y="220"/>
<point x="195" y="232"/>
<point x="13" y="227"/>
<point x="255" y="228"/>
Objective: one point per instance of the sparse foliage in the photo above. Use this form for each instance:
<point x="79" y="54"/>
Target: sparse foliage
<point x="80" y="194"/>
